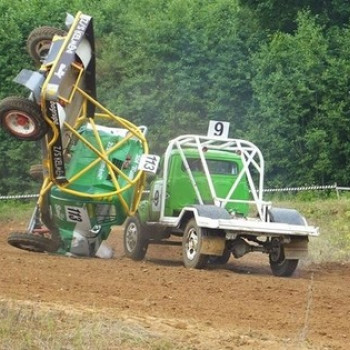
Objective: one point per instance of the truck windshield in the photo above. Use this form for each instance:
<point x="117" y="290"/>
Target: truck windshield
<point x="215" y="166"/>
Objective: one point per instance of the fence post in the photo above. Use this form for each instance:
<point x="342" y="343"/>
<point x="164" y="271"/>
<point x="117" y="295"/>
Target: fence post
<point x="337" y="190"/>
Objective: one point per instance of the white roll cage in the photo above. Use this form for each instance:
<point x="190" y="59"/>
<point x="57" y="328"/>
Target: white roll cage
<point x="253" y="169"/>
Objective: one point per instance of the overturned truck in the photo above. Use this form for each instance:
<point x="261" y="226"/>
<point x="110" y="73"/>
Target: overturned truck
<point x="90" y="170"/>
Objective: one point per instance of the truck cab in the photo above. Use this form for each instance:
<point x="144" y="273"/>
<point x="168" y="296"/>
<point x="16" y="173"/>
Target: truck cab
<point x="223" y="168"/>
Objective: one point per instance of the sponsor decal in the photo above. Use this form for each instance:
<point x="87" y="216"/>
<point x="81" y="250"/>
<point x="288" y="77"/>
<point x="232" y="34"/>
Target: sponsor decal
<point x="56" y="150"/>
<point x="67" y="56"/>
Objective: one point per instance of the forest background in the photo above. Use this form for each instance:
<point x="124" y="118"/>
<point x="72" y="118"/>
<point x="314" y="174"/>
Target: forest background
<point x="279" y="75"/>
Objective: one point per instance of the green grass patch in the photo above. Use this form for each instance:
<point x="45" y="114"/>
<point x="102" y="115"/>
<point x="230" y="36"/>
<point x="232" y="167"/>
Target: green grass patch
<point x="13" y="210"/>
<point x="332" y="216"/>
<point x="30" y="327"/>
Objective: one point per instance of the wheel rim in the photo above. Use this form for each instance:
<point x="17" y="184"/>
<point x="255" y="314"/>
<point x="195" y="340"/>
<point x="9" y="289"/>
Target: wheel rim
<point x="131" y="237"/>
<point x="276" y="254"/>
<point x="20" y="123"/>
<point x="42" y="48"/>
<point x="192" y="244"/>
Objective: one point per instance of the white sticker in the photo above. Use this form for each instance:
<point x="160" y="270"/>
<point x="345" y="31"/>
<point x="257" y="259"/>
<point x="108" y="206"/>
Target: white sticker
<point x="149" y="163"/>
<point x="74" y="214"/>
<point x="218" y="129"/>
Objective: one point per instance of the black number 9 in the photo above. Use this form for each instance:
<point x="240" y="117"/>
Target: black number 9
<point x="219" y="129"/>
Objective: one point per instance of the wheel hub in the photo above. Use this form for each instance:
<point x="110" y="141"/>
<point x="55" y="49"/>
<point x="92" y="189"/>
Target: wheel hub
<point x="192" y="244"/>
<point x="131" y="237"/>
<point x="20" y="123"/>
<point x="42" y="48"/>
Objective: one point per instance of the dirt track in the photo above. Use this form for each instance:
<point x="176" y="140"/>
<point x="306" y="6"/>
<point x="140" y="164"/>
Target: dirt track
<point x="238" y="306"/>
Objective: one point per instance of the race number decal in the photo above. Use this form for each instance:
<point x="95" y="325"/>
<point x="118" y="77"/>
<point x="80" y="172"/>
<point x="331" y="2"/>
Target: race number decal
<point x="149" y="163"/>
<point x="218" y="129"/>
<point x="74" y="214"/>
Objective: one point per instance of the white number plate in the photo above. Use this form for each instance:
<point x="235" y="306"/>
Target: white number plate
<point x="218" y="129"/>
<point x="149" y="163"/>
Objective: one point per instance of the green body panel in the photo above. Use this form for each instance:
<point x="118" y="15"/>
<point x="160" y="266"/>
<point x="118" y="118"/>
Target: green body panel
<point x="144" y="211"/>
<point x="97" y="179"/>
<point x="93" y="217"/>
<point x="181" y="192"/>
<point x="224" y="168"/>
<point x="92" y="220"/>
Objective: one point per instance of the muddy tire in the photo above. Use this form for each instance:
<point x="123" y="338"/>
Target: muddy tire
<point x="135" y="242"/>
<point x="284" y="268"/>
<point x="280" y="266"/>
<point x="36" y="172"/>
<point x="22" y="119"/>
<point x="39" y="42"/>
<point x="32" y="243"/>
<point x="220" y="260"/>
<point x="191" y="246"/>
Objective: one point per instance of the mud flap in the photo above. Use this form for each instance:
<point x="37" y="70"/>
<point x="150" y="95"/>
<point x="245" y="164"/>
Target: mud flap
<point x="213" y="245"/>
<point x="296" y="249"/>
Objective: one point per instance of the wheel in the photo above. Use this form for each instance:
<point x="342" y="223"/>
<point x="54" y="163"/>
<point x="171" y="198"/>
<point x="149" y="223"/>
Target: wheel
<point x="135" y="242"/>
<point x="191" y="246"/>
<point x="32" y="243"/>
<point x="39" y="42"/>
<point x="22" y="119"/>
<point x="36" y="172"/>
<point x="280" y="266"/>
<point x="220" y="260"/>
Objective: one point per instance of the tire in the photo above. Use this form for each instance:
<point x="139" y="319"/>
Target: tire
<point x="280" y="266"/>
<point x="22" y="119"/>
<point x="32" y="243"/>
<point x="39" y="42"/>
<point x="36" y="172"/>
<point x="135" y="242"/>
<point x="191" y="246"/>
<point x="220" y="260"/>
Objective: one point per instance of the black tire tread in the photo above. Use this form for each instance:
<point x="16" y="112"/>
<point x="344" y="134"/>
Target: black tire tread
<point x="142" y="243"/>
<point x="25" y="240"/>
<point x="202" y="259"/>
<point x="284" y="268"/>
<point x="36" y="172"/>
<point x="39" y="34"/>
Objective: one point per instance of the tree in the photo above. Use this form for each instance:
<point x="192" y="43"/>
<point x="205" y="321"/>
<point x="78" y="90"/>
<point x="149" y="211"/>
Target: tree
<point x="288" y="92"/>
<point x="176" y="65"/>
<point x="274" y="16"/>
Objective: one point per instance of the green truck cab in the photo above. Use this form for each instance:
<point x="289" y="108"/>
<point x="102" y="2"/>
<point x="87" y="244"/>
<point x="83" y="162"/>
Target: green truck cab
<point x="207" y="196"/>
<point x="223" y="167"/>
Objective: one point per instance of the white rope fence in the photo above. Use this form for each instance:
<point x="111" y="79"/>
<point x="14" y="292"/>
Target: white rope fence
<point x="310" y="188"/>
<point x="267" y="190"/>
<point x="20" y="196"/>
<point x="304" y="188"/>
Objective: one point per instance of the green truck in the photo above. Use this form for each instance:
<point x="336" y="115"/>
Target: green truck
<point x="207" y="196"/>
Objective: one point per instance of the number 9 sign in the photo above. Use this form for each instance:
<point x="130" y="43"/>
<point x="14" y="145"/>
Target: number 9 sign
<point x="218" y="129"/>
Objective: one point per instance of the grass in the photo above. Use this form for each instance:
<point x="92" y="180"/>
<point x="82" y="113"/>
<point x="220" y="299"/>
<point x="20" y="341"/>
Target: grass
<point x="29" y="327"/>
<point x="16" y="210"/>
